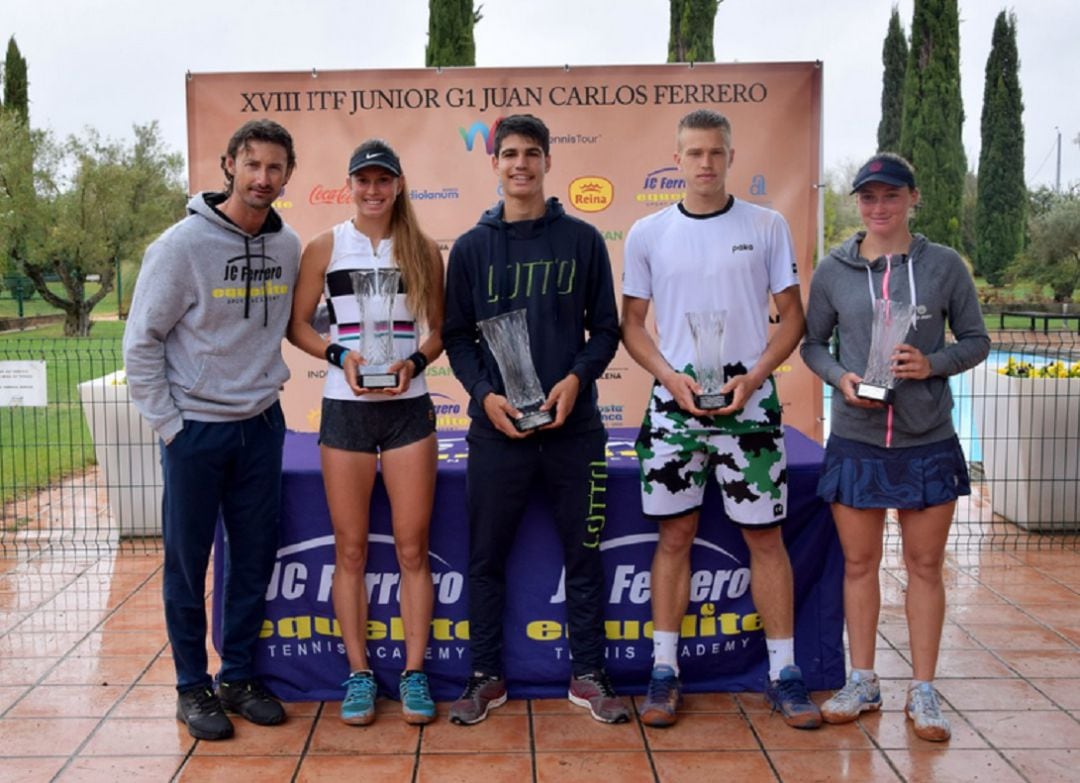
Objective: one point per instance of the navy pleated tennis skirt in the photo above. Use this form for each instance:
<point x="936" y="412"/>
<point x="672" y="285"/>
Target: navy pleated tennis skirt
<point x="860" y="475"/>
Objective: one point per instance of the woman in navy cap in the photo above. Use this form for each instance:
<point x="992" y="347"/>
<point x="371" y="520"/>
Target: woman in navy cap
<point x="361" y="426"/>
<point x="893" y="449"/>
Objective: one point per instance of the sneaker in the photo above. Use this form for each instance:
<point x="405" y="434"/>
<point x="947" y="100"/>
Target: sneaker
<point x="201" y="710"/>
<point x="248" y="699"/>
<point x="924" y="711"/>
<point x="358" y="706"/>
<point x="416" y="702"/>
<point x="788" y="696"/>
<point x="858" y="695"/>
<point x="483" y="692"/>
<point x="663" y="697"/>
<point x="593" y="691"/>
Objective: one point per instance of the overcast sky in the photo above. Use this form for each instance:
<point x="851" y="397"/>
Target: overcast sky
<point x="112" y="63"/>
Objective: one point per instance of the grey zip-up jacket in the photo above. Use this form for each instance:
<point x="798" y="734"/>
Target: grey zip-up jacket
<point x="203" y="338"/>
<point x="942" y="288"/>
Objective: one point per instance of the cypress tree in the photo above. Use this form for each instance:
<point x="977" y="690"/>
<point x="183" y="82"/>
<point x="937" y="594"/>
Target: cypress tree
<point x="1002" y="196"/>
<point x="691" y="37"/>
<point x="894" y="56"/>
<point x="18" y="177"/>
<point x="16" y="90"/>
<point x="450" y="33"/>
<point x="933" y="119"/>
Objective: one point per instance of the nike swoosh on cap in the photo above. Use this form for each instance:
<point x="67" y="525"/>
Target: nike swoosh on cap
<point x="371" y="155"/>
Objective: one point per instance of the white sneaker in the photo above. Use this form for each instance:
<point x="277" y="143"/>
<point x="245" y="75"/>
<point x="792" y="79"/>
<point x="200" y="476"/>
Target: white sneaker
<point x="924" y="711"/>
<point x="858" y="695"/>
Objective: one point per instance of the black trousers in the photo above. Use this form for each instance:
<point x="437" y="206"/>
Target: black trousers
<point x="231" y="467"/>
<point x="572" y="469"/>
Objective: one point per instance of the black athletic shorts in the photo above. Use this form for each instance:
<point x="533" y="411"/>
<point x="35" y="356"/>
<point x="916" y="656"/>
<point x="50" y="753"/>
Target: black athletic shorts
<point x="375" y="426"/>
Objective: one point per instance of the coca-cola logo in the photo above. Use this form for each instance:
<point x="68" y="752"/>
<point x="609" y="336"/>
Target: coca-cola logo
<point x="330" y="196"/>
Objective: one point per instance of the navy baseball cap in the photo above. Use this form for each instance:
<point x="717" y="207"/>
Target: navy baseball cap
<point x="374" y="153"/>
<point x="884" y="168"/>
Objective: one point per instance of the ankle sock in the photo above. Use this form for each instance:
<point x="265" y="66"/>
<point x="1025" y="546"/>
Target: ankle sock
<point x="781" y="654"/>
<point x="666" y="649"/>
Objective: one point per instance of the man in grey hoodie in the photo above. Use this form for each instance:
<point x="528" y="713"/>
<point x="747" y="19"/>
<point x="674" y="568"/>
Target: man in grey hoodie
<point x="202" y="350"/>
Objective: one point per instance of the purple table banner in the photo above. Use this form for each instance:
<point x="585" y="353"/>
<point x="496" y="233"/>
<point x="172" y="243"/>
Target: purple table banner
<point x="301" y="657"/>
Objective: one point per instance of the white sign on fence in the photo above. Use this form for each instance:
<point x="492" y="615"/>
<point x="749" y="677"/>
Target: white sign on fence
<point x="22" y="383"/>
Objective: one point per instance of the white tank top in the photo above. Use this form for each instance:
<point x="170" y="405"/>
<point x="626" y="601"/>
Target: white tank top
<point x="353" y="250"/>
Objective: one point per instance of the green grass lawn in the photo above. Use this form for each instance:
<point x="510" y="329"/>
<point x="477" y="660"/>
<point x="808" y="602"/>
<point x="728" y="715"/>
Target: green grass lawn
<point x="39" y="446"/>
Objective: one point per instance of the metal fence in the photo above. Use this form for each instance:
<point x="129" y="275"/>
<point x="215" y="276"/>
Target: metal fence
<point x="79" y="472"/>
<point x="84" y="471"/>
<point x="1021" y="434"/>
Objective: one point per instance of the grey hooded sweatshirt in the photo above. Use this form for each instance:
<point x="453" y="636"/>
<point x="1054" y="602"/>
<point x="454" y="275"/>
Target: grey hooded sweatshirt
<point x="203" y="338"/>
<point x="937" y="281"/>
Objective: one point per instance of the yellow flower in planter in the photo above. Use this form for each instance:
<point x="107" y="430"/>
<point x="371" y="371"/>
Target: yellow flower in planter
<point x="1058" y="369"/>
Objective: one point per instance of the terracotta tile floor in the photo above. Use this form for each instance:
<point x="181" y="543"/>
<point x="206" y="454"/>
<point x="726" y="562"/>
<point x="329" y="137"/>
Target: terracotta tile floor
<point x="86" y="695"/>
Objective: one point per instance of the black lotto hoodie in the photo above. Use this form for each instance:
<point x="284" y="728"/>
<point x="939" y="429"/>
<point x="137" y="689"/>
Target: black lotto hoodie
<point x="557" y="268"/>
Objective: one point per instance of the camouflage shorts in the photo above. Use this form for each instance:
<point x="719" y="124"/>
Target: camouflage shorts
<point x="677" y="451"/>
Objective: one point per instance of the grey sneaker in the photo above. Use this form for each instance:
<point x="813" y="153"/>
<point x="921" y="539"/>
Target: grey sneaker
<point x="593" y="691"/>
<point x="924" y="711"/>
<point x="483" y="692"/>
<point x="858" y="695"/>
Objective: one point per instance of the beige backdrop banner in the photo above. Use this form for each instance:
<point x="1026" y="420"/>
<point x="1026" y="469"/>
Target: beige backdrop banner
<point x="613" y="138"/>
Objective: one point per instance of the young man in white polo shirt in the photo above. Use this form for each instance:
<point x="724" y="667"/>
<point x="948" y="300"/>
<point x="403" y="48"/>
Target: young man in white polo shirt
<point x="712" y="252"/>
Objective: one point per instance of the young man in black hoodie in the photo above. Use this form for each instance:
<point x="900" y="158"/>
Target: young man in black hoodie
<point x="526" y="252"/>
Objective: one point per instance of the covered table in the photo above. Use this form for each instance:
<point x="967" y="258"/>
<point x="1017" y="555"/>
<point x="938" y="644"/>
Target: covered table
<point x="301" y="656"/>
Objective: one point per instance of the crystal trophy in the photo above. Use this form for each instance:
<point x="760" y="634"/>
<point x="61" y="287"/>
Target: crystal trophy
<point x="707" y="330"/>
<point x="375" y="290"/>
<point x="507" y="336"/>
<point x="891" y="323"/>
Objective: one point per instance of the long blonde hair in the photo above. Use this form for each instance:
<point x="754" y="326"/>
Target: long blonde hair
<point x="412" y="251"/>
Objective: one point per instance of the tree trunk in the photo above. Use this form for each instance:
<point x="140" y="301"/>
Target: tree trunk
<point x="77" y="321"/>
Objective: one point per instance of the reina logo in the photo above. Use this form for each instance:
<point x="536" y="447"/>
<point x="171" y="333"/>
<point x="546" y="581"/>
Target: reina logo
<point x="591" y="194"/>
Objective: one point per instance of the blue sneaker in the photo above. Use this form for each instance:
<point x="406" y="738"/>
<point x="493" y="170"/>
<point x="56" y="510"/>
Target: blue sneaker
<point x="662" y="699"/>
<point x="358" y="706"/>
<point x="416" y="702"/>
<point x="788" y="696"/>
<point x="859" y="695"/>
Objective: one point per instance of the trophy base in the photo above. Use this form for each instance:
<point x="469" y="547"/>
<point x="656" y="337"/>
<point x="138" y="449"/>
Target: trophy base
<point x="377" y="380"/>
<point x="712" y="400"/>
<point x="531" y="419"/>
<point x="873" y="392"/>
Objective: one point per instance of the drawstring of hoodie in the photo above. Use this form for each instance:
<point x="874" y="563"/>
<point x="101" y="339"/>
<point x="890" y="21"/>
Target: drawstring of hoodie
<point x="262" y="278"/>
<point x="247" y="276"/>
<point x="265" y="282"/>
<point x="888" y="314"/>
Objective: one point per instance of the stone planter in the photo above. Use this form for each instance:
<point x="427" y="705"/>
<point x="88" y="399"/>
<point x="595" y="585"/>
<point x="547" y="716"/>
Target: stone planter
<point x="127" y="455"/>
<point x="1030" y="435"/>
